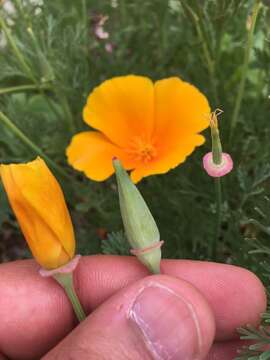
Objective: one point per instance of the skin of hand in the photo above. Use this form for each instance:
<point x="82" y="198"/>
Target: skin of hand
<point x="190" y="312"/>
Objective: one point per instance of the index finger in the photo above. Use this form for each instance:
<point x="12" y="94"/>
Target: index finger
<point x="35" y="313"/>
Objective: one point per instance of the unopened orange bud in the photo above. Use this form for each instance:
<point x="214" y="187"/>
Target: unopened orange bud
<point x="39" y="205"/>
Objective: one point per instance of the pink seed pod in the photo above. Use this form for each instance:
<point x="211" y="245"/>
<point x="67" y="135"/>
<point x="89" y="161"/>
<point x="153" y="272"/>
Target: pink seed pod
<point x="219" y="170"/>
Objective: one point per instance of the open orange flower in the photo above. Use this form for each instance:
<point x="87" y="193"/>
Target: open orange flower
<point x="150" y="127"/>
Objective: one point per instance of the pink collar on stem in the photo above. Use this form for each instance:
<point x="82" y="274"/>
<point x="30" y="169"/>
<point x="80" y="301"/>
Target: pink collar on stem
<point x="219" y="170"/>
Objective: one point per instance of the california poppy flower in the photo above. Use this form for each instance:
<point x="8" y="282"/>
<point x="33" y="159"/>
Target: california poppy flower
<point x="39" y="205"/>
<point x="150" y="127"/>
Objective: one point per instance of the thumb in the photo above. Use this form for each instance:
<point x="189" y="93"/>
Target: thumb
<point x="158" y="317"/>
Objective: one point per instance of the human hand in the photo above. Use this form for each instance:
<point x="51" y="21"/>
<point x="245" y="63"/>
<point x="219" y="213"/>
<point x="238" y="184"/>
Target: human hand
<point x="189" y="313"/>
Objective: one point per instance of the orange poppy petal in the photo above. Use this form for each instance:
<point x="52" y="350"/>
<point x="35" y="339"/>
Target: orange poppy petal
<point x="169" y="159"/>
<point x="122" y="108"/>
<point x="180" y="110"/>
<point x="92" y="153"/>
<point x="41" y="239"/>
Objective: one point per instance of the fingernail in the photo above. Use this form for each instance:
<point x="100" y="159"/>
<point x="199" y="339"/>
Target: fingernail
<point x="167" y="323"/>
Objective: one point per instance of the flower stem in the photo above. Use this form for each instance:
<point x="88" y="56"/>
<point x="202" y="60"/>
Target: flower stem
<point x="28" y="70"/>
<point x="213" y="248"/>
<point x="21" y="88"/>
<point x="17" y="132"/>
<point x="247" y="55"/>
<point x="66" y="281"/>
<point x="210" y="63"/>
<point x="16" y="50"/>
<point x="49" y="76"/>
<point x="69" y="117"/>
<point x="84" y="14"/>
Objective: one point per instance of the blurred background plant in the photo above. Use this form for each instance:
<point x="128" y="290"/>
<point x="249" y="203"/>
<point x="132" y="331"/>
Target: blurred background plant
<point x="53" y="53"/>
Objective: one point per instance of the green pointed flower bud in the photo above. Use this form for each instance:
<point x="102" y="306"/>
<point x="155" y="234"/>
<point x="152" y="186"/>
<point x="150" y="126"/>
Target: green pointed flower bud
<point x="139" y="224"/>
<point x="216" y="143"/>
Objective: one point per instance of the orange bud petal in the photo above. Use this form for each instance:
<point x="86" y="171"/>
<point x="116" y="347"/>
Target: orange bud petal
<point x="39" y="205"/>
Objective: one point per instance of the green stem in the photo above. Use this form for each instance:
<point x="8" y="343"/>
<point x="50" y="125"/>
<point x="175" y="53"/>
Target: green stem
<point x="40" y="88"/>
<point x="46" y="71"/>
<point x="66" y="281"/>
<point x="21" y="88"/>
<point x="209" y="61"/>
<point x="29" y="143"/>
<point x="16" y="50"/>
<point x="84" y="14"/>
<point x="28" y="71"/>
<point x="215" y="238"/>
<point x="216" y="146"/>
<point x="45" y="67"/>
<point x="69" y="116"/>
<point x="19" y="7"/>
<point x="123" y="12"/>
<point x="248" y="49"/>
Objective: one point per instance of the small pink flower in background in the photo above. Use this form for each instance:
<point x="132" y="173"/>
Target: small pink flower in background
<point x="8" y="7"/>
<point x="99" y="31"/>
<point x="101" y="34"/>
<point x="109" y="47"/>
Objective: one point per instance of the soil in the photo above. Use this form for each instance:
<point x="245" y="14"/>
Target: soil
<point x="12" y="245"/>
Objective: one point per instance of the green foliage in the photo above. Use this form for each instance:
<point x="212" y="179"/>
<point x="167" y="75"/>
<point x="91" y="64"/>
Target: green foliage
<point x="257" y="235"/>
<point x="116" y="243"/>
<point x="44" y="88"/>
<point x="261" y="338"/>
